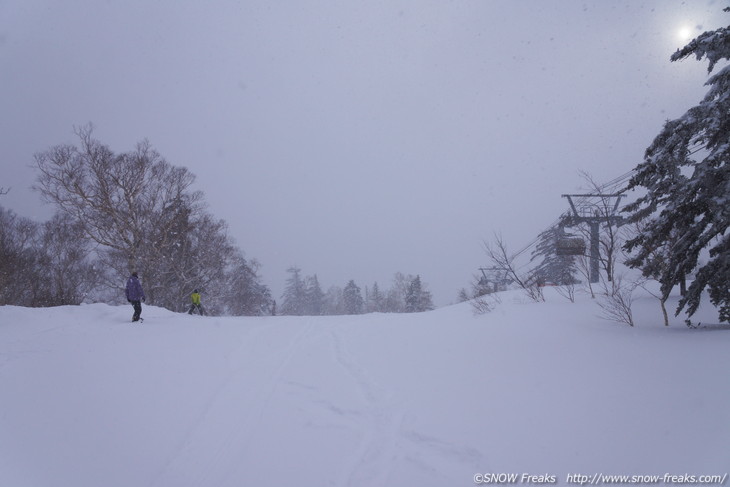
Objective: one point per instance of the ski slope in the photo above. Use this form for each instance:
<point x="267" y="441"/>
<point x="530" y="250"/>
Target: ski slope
<point x="88" y="399"/>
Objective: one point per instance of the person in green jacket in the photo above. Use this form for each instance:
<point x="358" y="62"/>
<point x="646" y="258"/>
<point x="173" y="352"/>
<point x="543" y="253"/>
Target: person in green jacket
<point x="195" y="297"/>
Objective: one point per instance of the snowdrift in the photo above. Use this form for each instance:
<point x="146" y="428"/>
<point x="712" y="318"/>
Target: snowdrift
<point x="430" y="399"/>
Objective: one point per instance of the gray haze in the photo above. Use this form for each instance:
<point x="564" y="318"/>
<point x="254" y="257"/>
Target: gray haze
<point x="355" y="139"/>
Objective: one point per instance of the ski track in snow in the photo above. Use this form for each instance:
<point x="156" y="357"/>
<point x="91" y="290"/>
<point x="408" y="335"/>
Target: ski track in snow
<point x="376" y="455"/>
<point x="211" y="446"/>
<point x="387" y="444"/>
<point x="387" y="448"/>
<point x="12" y="355"/>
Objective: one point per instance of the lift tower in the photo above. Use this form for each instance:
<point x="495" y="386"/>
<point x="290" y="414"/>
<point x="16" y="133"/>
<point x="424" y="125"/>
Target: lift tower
<point x="586" y="209"/>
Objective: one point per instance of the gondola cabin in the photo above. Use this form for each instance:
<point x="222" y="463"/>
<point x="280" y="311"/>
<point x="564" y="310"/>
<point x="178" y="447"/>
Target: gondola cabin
<point x="570" y="246"/>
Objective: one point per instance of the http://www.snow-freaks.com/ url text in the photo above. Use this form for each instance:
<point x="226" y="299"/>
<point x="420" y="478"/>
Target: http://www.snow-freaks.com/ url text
<point x="599" y="479"/>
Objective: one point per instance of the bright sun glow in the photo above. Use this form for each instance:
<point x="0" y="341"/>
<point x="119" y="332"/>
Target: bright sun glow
<point x="684" y="34"/>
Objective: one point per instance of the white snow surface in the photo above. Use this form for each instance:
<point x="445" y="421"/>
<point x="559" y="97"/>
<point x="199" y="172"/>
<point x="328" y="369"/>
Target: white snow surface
<point x="429" y="399"/>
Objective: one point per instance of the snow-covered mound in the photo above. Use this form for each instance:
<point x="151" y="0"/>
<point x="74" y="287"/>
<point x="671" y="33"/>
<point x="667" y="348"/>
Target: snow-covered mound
<point x="429" y="399"/>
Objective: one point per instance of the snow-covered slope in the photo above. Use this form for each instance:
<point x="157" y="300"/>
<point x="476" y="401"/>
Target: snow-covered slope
<point x="430" y="399"/>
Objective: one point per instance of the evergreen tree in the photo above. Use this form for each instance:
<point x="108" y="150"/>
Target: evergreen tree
<point x="417" y="298"/>
<point x="314" y="297"/>
<point x="554" y="268"/>
<point x="246" y="295"/>
<point x="687" y="179"/>
<point x="294" y="299"/>
<point x="376" y="301"/>
<point x="413" y="295"/>
<point x="352" y="299"/>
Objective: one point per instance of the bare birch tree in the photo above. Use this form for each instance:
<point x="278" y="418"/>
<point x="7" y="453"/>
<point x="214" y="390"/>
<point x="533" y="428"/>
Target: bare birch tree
<point x="497" y="253"/>
<point x="120" y="200"/>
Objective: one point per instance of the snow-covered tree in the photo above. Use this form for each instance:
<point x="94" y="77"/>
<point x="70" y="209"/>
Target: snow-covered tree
<point x="314" y="296"/>
<point x="46" y="264"/>
<point x="294" y="299"/>
<point x="65" y="269"/>
<point x="686" y="175"/>
<point x="333" y="301"/>
<point x="141" y="214"/>
<point x="352" y="299"/>
<point x="245" y="294"/>
<point x="18" y="258"/>
<point x="197" y="255"/>
<point x="417" y="298"/>
<point x="395" y="298"/>
<point x="376" y="300"/>
<point x="463" y="295"/>
<point x="129" y="202"/>
<point x="554" y="267"/>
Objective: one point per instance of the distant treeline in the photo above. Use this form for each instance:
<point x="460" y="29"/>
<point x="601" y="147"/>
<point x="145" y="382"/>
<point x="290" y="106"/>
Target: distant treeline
<point x="304" y="296"/>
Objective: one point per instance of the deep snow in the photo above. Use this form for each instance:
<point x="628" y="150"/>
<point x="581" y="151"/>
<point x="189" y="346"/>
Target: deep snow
<point x="429" y="399"/>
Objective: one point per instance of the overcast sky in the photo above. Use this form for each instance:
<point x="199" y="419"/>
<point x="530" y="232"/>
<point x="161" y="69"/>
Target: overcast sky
<point x="355" y="139"/>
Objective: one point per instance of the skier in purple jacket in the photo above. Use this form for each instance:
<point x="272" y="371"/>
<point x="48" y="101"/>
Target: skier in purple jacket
<point x="135" y="294"/>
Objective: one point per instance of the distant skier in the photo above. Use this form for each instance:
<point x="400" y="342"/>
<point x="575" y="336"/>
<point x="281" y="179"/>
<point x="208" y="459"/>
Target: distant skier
<point x="135" y="295"/>
<point x="195" y="298"/>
